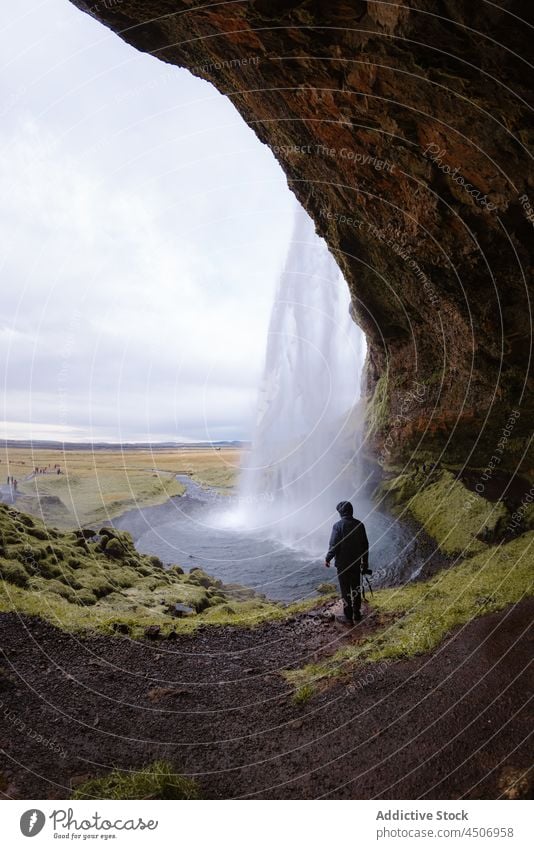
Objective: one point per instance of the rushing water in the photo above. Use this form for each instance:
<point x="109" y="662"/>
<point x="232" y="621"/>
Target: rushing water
<point x="306" y="440"/>
<point x="183" y="531"/>
<point x="305" y="454"/>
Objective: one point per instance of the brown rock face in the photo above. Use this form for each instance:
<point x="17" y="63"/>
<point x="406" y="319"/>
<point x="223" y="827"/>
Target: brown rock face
<point x="403" y="130"/>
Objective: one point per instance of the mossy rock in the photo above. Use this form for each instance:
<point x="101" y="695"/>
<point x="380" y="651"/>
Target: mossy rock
<point x="49" y="569"/>
<point x="145" y="571"/>
<point x="213" y="613"/>
<point x="101" y="588"/>
<point x="526" y="516"/>
<point x="456" y="517"/>
<point x="84" y="597"/>
<point x="199" y="577"/>
<point x="26" y="520"/>
<point x="71" y="580"/>
<point x="149" y="583"/>
<point x="57" y="579"/>
<point x="52" y="585"/>
<point x="450" y="513"/>
<point x="378" y="408"/>
<point x="123" y="577"/>
<point x="236" y="591"/>
<point x="200" y="604"/>
<point x="12" y="539"/>
<point x="13" y="572"/>
<point x="26" y="554"/>
<point x="396" y="492"/>
<point x="114" y="533"/>
<point x="156" y="562"/>
<point x="217" y="598"/>
<point x="85" y="533"/>
<point x="114" y="548"/>
<point x="38" y="533"/>
<point x="97" y="581"/>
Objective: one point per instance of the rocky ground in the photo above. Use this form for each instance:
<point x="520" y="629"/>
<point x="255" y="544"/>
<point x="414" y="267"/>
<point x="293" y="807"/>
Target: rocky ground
<point x="451" y="724"/>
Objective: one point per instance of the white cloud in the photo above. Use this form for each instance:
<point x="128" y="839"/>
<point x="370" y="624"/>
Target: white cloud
<point x="142" y="228"/>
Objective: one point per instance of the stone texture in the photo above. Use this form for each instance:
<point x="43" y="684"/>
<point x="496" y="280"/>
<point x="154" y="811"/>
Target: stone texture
<point x="350" y="95"/>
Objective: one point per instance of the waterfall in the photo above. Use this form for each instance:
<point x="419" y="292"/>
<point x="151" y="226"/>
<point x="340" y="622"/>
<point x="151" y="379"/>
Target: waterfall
<point x="304" y="446"/>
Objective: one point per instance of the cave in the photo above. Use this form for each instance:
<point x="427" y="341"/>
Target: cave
<point x="158" y="644"/>
<point x="403" y="131"/>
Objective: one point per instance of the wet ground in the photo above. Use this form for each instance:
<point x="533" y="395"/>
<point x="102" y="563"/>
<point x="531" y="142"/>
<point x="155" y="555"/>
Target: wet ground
<point x="453" y="724"/>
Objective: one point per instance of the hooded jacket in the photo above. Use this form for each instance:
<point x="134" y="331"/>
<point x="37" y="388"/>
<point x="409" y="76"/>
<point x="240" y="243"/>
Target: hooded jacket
<point x="348" y="542"/>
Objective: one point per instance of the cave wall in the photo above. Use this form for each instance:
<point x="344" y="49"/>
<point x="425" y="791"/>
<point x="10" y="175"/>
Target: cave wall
<point x="404" y="131"/>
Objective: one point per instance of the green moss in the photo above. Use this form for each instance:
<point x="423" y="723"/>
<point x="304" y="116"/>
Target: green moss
<point x="397" y="492"/>
<point x="377" y="414"/>
<point x="84" y="597"/>
<point x="39" y="533"/>
<point x="49" y="569"/>
<point x="156" y="781"/>
<point x="419" y="616"/>
<point x="88" y="590"/>
<point x="528" y="516"/>
<point x="114" y="548"/>
<point x="449" y="512"/>
<point x="98" y="581"/>
<point x="155" y="561"/>
<point x="13" y="572"/>
<point x="123" y="577"/>
<point x="198" y="576"/>
<point x="52" y="585"/>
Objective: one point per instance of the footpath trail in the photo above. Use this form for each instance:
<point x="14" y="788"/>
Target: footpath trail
<point x="452" y="724"/>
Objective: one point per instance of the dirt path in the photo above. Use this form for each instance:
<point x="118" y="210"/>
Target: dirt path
<point x="451" y="724"/>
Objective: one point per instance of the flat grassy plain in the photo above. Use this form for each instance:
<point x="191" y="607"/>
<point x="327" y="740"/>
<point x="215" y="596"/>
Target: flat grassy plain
<point x="95" y="485"/>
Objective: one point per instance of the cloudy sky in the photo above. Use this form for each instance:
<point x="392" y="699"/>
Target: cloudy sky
<point x="142" y="229"/>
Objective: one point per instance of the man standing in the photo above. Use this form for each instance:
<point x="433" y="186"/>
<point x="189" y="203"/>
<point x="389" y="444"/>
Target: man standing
<point x="350" y="548"/>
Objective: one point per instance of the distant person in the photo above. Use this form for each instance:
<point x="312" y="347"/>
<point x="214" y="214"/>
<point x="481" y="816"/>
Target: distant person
<point x="350" y="548"/>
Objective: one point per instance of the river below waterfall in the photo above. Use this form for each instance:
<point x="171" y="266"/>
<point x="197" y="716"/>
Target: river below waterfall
<point x="184" y="530"/>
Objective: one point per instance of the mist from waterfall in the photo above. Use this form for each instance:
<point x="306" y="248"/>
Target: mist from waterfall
<point x="306" y="440"/>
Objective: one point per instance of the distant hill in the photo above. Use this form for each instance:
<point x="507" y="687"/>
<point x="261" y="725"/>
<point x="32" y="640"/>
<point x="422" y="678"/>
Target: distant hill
<point x="117" y="446"/>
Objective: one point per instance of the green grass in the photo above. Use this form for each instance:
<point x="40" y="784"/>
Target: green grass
<point x="449" y="512"/>
<point x="303" y="694"/>
<point x="418" y="616"/>
<point x="222" y="478"/>
<point x="96" y="485"/>
<point x="94" y="495"/>
<point x="156" y="781"/>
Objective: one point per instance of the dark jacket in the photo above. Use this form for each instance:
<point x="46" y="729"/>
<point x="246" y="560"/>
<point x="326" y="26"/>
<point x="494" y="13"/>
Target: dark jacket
<point x="348" y="543"/>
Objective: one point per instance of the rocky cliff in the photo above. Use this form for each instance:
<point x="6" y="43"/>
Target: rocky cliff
<point x="403" y="130"/>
